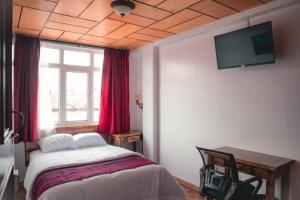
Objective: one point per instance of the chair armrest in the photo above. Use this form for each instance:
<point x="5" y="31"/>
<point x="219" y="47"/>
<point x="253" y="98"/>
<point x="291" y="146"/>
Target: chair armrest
<point x="252" y="180"/>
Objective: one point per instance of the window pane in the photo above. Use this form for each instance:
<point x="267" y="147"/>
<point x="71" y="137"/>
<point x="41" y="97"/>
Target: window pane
<point x="48" y="55"/>
<point x="98" y="60"/>
<point x="49" y="75"/>
<point x="96" y="92"/>
<point x="76" y="58"/>
<point x="96" y="115"/>
<point x="76" y="96"/>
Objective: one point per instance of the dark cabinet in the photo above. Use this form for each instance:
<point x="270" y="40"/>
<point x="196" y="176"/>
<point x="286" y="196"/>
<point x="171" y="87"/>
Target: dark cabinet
<point x="5" y="68"/>
<point x="6" y="152"/>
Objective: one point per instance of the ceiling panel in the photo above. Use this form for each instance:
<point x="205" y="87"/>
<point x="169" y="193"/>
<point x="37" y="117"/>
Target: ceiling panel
<point x="97" y="39"/>
<point x="175" y="19"/>
<point x="16" y="15"/>
<point x="66" y="27"/>
<point x="97" y="11"/>
<point x="137" y="44"/>
<point x="33" y="19"/>
<point x="155" y="33"/>
<point x="105" y="27"/>
<point x="133" y="19"/>
<point x="151" y="2"/>
<point x="150" y="12"/>
<point x="26" y="32"/>
<point x="51" y="34"/>
<point x="72" y="7"/>
<point x="93" y="43"/>
<point x="191" y="24"/>
<point x="123" y="31"/>
<point x="143" y="37"/>
<point x="38" y="4"/>
<point x="266" y="1"/>
<point x="70" y="37"/>
<point x="72" y="20"/>
<point x="176" y="5"/>
<point x="213" y="9"/>
<point x="241" y="5"/>
<point x="93" y="22"/>
<point x="125" y="42"/>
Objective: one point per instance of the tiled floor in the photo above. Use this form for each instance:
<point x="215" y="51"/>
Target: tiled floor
<point x="21" y="194"/>
<point x="191" y="192"/>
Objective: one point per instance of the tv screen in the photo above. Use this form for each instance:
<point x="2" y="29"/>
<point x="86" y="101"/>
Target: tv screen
<point x="249" y="46"/>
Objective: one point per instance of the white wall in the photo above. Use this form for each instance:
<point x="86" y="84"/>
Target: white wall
<point x="255" y="108"/>
<point x="135" y="88"/>
<point x="142" y="63"/>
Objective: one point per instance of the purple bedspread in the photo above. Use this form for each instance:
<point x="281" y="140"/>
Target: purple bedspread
<point x="53" y="177"/>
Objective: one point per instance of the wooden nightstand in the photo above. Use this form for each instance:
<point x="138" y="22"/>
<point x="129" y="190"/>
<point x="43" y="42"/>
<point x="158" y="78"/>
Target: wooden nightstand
<point x="128" y="137"/>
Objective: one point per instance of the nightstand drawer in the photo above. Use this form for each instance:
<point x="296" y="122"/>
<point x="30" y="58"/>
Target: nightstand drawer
<point x="133" y="138"/>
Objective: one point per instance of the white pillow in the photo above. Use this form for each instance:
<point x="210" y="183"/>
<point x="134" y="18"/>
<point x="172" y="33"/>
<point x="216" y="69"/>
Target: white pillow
<point x="87" y="139"/>
<point x="56" y="142"/>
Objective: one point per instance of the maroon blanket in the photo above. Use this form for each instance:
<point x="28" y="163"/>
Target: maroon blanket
<point x="53" y="177"/>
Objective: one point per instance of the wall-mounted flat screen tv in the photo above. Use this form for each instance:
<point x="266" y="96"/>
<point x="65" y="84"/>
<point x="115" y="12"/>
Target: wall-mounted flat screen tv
<point x="249" y="46"/>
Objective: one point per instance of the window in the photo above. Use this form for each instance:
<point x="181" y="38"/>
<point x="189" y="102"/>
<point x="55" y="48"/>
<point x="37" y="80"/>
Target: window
<point x="51" y="75"/>
<point x="96" y="97"/>
<point x="77" y="96"/>
<point x="98" y="60"/>
<point x="76" y="58"/>
<point x="48" y="55"/>
<point x="74" y="77"/>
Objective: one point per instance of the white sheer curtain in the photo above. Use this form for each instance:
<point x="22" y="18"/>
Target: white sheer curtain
<point x="46" y="123"/>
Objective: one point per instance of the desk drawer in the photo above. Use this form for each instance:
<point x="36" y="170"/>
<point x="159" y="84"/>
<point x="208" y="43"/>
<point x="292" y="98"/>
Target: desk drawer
<point x="245" y="168"/>
<point x="263" y="173"/>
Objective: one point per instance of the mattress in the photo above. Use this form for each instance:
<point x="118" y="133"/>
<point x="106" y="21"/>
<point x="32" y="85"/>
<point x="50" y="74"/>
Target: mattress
<point x="151" y="182"/>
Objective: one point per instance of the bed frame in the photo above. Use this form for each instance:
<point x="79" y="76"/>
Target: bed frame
<point x="31" y="146"/>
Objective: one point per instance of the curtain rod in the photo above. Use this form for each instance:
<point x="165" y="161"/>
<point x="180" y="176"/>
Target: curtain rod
<point x="76" y="44"/>
<point x="66" y="43"/>
<point x="71" y="44"/>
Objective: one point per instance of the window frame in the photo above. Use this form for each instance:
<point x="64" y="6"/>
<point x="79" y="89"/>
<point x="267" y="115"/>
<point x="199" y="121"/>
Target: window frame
<point x="64" y="69"/>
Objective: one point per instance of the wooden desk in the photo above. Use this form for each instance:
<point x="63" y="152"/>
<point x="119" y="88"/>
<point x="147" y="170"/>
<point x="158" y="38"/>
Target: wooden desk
<point x="128" y="137"/>
<point x="264" y="166"/>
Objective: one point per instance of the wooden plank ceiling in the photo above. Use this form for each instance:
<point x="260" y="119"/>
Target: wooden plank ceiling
<point x="93" y="22"/>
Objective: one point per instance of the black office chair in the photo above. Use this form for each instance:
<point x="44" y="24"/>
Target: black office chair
<point x="226" y="185"/>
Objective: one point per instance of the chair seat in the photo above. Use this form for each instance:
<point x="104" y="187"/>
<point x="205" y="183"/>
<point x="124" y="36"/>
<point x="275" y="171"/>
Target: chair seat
<point x="244" y="192"/>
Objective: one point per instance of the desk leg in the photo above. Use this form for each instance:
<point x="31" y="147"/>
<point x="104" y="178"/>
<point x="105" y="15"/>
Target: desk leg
<point x="285" y="181"/>
<point x="270" y="187"/>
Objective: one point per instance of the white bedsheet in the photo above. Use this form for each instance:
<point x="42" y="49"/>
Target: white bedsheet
<point x="151" y="182"/>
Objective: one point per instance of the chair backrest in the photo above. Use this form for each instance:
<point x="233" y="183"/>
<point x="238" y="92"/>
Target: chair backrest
<point x="212" y="158"/>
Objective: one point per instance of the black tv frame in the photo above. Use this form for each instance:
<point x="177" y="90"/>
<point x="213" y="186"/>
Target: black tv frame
<point x="249" y="64"/>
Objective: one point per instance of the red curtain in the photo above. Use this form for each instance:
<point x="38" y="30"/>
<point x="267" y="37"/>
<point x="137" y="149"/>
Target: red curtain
<point x="26" y="70"/>
<point x="114" y="106"/>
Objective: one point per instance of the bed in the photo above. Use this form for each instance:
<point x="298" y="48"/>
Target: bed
<point x="101" y="172"/>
